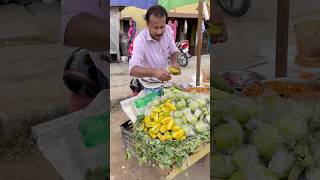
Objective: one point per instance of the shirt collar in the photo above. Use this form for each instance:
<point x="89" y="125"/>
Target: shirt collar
<point x="149" y="38"/>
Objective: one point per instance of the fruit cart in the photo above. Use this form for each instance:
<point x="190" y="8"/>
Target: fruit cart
<point x="160" y="125"/>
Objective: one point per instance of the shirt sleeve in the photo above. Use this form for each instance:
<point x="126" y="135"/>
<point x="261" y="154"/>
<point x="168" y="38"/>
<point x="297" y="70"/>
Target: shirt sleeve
<point x="71" y="8"/>
<point x="172" y="45"/>
<point x="137" y="54"/>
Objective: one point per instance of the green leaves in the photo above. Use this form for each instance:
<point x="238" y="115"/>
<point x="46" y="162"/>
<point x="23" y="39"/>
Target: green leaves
<point x="303" y="155"/>
<point x="128" y="154"/>
<point x="166" y="154"/>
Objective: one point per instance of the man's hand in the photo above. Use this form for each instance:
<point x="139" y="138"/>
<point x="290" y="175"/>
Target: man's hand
<point x="217" y="21"/>
<point x="161" y="74"/>
<point x="175" y="64"/>
<point x="174" y="60"/>
<point x="88" y="32"/>
<point x="224" y="35"/>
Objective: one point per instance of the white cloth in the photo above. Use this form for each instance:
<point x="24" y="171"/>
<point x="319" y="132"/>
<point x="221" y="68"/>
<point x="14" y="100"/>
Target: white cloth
<point x="185" y="27"/>
<point x="114" y="30"/>
<point x="205" y="11"/>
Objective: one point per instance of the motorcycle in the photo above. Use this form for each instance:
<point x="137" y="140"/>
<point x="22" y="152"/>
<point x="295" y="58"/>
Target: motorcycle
<point x="235" y="8"/>
<point x="183" y="47"/>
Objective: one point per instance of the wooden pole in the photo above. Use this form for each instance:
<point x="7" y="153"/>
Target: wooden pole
<point x="282" y="38"/>
<point x="199" y="43"/>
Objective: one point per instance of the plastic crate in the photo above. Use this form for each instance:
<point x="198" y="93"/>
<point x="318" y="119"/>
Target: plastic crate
<point x="126" y="131"/>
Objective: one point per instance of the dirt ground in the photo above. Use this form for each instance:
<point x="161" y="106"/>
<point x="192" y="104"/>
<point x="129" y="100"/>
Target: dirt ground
<point x="20" y="159"/>
<point x="122" y="169"/>
<point x="32" y="166"/>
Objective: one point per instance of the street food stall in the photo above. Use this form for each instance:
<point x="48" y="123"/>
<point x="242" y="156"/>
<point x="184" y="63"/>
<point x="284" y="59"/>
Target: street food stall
<point x="169" y="123"/>
<point x="75" y="144"/>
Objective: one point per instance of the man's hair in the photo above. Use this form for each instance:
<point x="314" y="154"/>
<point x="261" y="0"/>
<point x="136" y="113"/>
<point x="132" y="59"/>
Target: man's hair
<point x="157" y="11"/>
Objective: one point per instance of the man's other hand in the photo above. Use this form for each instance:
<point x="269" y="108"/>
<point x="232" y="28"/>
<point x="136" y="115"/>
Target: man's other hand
<point x="161" y="74"/>
<point x="217" y="23"/>
<point x="176" y="65"/>
<point x="222" y="35"/>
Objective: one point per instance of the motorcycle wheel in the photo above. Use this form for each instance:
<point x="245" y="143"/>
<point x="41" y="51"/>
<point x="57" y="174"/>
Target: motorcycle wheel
<point x="183" y="59"/>
<point x="227" y="6"/>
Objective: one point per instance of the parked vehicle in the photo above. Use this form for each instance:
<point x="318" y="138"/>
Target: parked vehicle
<point x="183" y="46"/>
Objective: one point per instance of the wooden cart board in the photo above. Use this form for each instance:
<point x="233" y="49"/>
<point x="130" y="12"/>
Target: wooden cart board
<point x="191" y="160"/>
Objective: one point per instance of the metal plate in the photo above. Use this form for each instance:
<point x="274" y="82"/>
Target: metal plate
<point x="244" y="78"/>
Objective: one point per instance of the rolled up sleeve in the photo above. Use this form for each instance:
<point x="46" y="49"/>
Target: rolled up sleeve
<point x="71" y="8"/>
<point x="137" y="54"/>
<point x="172" y="45"/>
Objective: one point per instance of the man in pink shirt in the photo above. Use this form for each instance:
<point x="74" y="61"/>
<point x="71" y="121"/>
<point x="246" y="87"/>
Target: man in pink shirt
<point x="153" y="47"/>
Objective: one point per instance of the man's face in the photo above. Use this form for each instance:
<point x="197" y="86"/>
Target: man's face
<point x="156" y="26"/>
